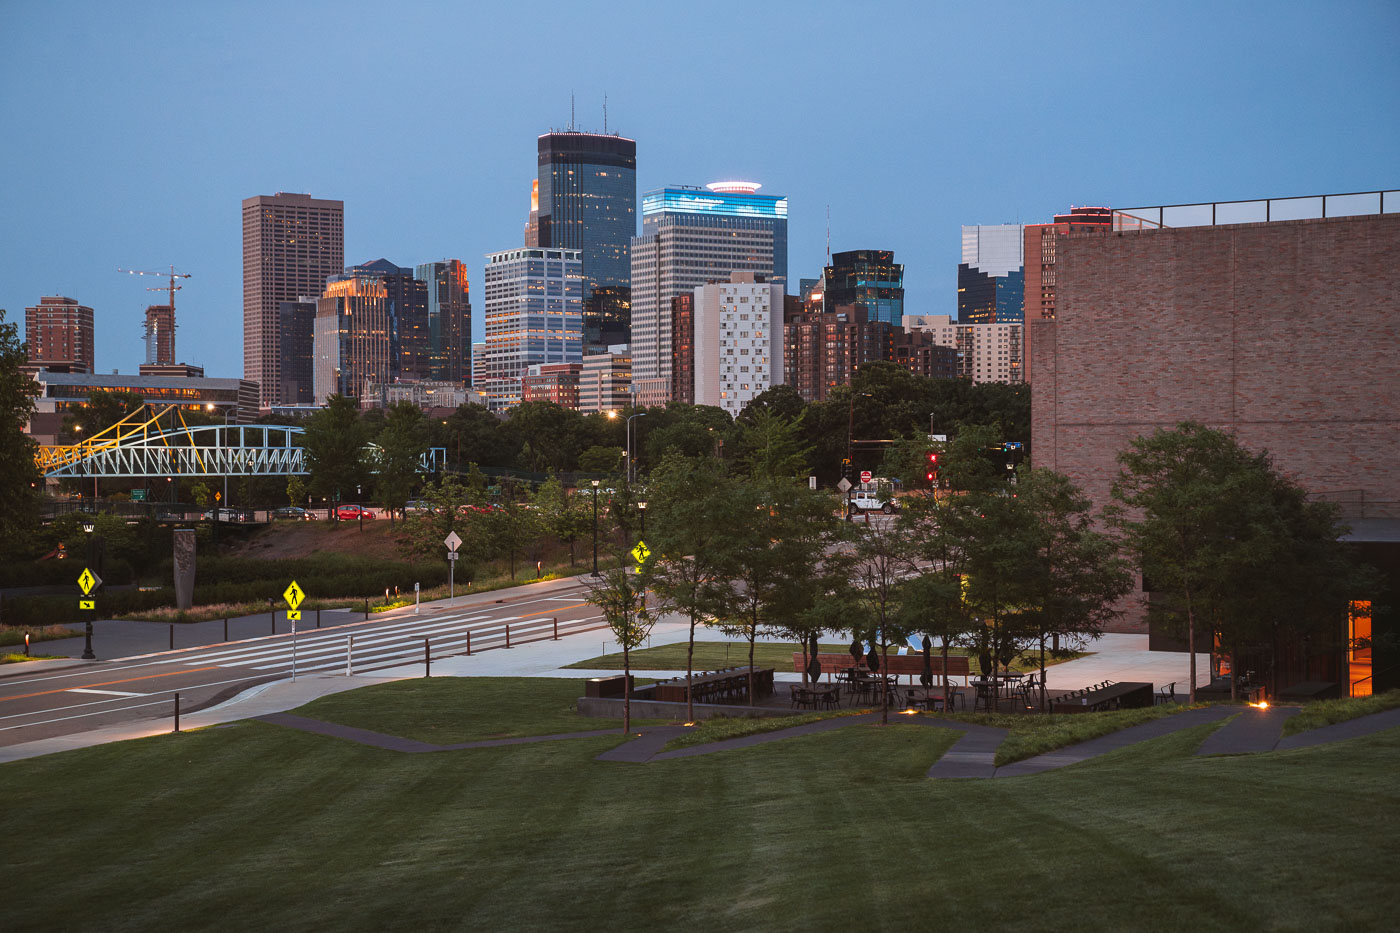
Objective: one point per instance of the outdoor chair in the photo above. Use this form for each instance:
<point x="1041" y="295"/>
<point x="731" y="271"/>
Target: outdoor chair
<point x="1166" y="694"/>
<point x="832" y="698"/>
<point x="796" y="690"/>
<point x="985" y="697"/>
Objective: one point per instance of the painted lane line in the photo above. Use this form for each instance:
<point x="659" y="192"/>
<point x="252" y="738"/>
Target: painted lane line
<point x="115" y="709"/>
<point x="108" y="683"/>
<point x="105" y="712"/>
<point x="110" y="693"/>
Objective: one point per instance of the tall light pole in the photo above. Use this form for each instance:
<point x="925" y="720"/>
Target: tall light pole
<point x="595" y="528"/>
<point x="630" y="471"/>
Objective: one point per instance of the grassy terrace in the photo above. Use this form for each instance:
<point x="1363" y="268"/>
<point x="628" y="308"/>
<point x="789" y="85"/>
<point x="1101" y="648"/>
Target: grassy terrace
<point x="252" y="826"/>
<point x="1326" y="712"/>
<point x="712" y="655"/>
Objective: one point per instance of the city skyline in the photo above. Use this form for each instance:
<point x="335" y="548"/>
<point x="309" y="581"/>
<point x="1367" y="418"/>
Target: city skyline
<point x="158" y="156"/>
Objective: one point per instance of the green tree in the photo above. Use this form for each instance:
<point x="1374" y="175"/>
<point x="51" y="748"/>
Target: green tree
<point x="882" y="557"/>
<point x="401" y="445"/>
<point x="770" y="447"/>
<point x="1185" y="500"/>
<point x="566" y="517"/>
<point x="335" y="449"/>
<point x="1077" y="576"/>
<point x="100" y="411"/>
<point x="692" y="504"/>
<point x="601" y="460"/>
<point x="202" y="495"/>
<point x="620" y="593"/>
<point x="933" y="598"/>
<point x="20" y="480"/>
<point x="296" y="490"/>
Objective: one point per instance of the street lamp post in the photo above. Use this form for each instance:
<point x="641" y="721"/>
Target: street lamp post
<point x="630" y="471"/>
<point x="595" y="528"/>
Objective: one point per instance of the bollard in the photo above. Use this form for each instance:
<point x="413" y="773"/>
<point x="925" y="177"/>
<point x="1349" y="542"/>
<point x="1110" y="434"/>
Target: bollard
<point x="225" y="629"/>
<point x="507" y="634"/>
<point x="274" y="622"/>
<point x="26" y="644"/>
<point x="469" y="642"/>
<point x="366" y="608"/>
<point x="349" y="655"/>
<point x="318" y="618"/>
<point x="177" y="712"/>
<point x="172" y="637"/>
<point x="556" y="628"/>
<point x="427" y="660"/>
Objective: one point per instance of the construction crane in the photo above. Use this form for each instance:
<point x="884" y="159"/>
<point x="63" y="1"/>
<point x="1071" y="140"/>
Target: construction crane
<point x="153" y="331"/>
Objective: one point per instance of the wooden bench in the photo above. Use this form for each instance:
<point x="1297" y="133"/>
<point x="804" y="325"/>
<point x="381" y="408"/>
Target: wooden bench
<point x="899" y="664"/>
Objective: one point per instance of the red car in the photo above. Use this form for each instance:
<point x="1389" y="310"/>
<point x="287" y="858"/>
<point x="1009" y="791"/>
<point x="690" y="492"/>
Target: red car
<point x="352" y="512"/>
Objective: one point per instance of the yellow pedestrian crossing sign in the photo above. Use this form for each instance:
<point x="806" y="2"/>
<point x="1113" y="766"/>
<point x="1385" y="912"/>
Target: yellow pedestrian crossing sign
<point x="641" y="552"/>
<point x="293" y="595"/>
<point x="89" y="581"/>
<point x="293" y="615"/>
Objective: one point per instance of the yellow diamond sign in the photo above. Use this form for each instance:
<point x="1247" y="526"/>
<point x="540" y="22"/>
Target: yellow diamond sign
<point x="641" y="552"/>
<point x="293" y="595"/>
<point x="88" y="581"/>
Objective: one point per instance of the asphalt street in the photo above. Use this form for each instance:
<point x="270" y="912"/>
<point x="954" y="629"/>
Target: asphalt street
<point x="42" y="702"/>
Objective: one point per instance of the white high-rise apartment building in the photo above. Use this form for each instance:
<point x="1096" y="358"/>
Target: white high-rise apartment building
<point x="534" y="314"/>
<point x="738" y="340"/>
<point x="986" y="352"/>
<point x="692" y="236"/>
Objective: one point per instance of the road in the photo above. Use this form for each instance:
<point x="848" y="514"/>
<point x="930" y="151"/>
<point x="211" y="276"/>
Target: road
<point x="39" y="704"/>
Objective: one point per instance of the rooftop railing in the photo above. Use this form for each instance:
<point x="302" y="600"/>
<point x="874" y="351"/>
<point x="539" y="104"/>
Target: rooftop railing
<point x="1266" y="210"/>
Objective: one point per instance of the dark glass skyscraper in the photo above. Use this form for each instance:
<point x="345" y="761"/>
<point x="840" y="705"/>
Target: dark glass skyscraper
<point x="992" y="275"/>
<point x="869" y="279"/>
<point x="408" y="317"/>
<point x="449" y="320"/>
<point x="588" y="202"/>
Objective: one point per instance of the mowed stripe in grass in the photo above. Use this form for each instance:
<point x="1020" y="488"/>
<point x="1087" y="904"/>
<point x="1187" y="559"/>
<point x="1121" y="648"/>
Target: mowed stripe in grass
<point x="255" y="826"/>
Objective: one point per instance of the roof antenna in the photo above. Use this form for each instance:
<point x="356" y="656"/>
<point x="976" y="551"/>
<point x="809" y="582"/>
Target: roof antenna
<point x="571" y="112"/>
<point x="605" y="113"/>
<point x="828" y="234"/>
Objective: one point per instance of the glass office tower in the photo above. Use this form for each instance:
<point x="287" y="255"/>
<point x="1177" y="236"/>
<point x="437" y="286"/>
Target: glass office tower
<point x="992" y="275"/>
<point x="449" y="320"/>
<point x="868" y="279"/>
<point x="588" y="202"/>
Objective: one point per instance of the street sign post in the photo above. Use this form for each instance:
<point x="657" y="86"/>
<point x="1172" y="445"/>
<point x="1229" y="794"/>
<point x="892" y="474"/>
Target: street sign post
<point x="453" y="542"/>
<point x="640" y="553"/>
<point x="844" y="484"/>
<point x="865" y="476"/>
<point x="294" y="594"/>
<point x="88" y="582"/>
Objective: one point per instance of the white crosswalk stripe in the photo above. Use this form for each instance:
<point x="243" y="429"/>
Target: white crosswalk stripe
<point x="378" y="647"/>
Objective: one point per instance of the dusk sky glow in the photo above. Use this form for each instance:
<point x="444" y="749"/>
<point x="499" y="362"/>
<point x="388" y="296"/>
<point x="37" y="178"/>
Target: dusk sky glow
<point x="134" y="130"/>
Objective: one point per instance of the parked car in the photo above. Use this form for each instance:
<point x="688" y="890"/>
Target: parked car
<point x="352" y="512"/>
<point x="225" y="515"/>
<point x="466" y="509"/>
<point x="290" y="511"/>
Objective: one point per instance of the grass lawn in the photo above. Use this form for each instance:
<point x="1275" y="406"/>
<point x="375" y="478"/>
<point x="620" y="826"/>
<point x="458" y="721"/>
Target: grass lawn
<point x="712" y="655"/>
<point x="258" y="827"/>
<point x="1326" y="712"/>
<point x="448" y="710"/>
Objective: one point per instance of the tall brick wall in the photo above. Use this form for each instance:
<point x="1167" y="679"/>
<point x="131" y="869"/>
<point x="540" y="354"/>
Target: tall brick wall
<point x="1283" y="333"/>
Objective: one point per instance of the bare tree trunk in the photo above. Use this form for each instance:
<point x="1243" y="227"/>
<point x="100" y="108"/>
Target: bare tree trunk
<point x="626" y="690"/>
<point x="884" y="681"/>
<point x="946" y="692"/>
<point x="753" y="637"/>
<point x="689" y="672"/>
<point x="1191" y="640"/>
<point x="1042" y="672"/>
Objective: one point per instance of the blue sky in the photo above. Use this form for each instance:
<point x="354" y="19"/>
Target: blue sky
<point x="133" y="130"/>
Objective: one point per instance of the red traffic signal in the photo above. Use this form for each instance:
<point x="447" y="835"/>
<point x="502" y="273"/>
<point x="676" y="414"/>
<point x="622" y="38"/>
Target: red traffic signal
<point x="932" y="457"/>
<point x="930" y="476"/>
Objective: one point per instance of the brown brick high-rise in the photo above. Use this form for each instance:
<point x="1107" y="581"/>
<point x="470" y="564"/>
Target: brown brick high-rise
<point x="291" y="243"/>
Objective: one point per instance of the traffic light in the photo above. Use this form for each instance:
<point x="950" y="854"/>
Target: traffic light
<point x="931" y="471"/>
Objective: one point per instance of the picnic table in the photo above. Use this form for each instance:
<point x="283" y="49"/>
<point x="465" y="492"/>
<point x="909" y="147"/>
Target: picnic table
<point x="1126" y="695"/>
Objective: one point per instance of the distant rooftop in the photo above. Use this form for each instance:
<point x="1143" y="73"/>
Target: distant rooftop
<point x="1266" y="210"/>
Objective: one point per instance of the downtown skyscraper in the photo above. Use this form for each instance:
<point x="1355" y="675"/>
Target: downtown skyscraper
<point x="992" y="275"/>
<point x="585" y="199"/>
<point x="691" y="237"/>
<point x="291" y="244"/>
<point x="533" y="316"/>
